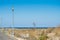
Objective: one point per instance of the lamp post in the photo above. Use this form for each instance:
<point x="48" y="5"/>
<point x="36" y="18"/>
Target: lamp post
<point x="0" y="22"/>
<point x="13" y="21"/>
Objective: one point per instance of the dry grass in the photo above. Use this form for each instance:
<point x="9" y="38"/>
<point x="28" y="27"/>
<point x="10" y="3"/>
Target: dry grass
<point x="34" y="32"/>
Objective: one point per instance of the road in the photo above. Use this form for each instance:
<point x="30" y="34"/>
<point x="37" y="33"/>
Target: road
<point x="3" y="36"/>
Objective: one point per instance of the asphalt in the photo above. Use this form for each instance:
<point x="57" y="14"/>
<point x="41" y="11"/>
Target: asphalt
<point x="3" y="36"/>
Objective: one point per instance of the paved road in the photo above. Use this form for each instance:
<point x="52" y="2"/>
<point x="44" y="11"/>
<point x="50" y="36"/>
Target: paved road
<point x="3" y="36"/>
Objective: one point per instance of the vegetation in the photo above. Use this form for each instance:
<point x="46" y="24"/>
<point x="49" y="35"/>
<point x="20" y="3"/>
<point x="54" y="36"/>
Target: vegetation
<point x="43" y="36"/>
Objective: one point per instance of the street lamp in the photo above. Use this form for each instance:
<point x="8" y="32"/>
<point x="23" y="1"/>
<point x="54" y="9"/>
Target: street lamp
<point x="1" y="22"/>
<point x="13" y="21"/>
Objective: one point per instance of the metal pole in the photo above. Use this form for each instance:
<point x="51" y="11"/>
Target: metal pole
<point x="13" y="21"/>
<point x="1" y="23"/>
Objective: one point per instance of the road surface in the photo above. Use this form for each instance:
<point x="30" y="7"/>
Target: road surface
<point x="3" y="36"/>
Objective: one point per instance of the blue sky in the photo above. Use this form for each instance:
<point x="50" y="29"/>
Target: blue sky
<point x="45" y="13"/>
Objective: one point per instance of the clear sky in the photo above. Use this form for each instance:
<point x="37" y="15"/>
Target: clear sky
<point x="45" y="13"/>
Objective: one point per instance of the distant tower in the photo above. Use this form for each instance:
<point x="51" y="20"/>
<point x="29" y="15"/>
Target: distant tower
<point x="34" y="25"/>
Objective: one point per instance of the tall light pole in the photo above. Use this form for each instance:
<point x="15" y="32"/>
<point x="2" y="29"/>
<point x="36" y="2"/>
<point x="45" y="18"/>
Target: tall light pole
<point x="1" y="22"/>
<point x="12" y="21"/>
